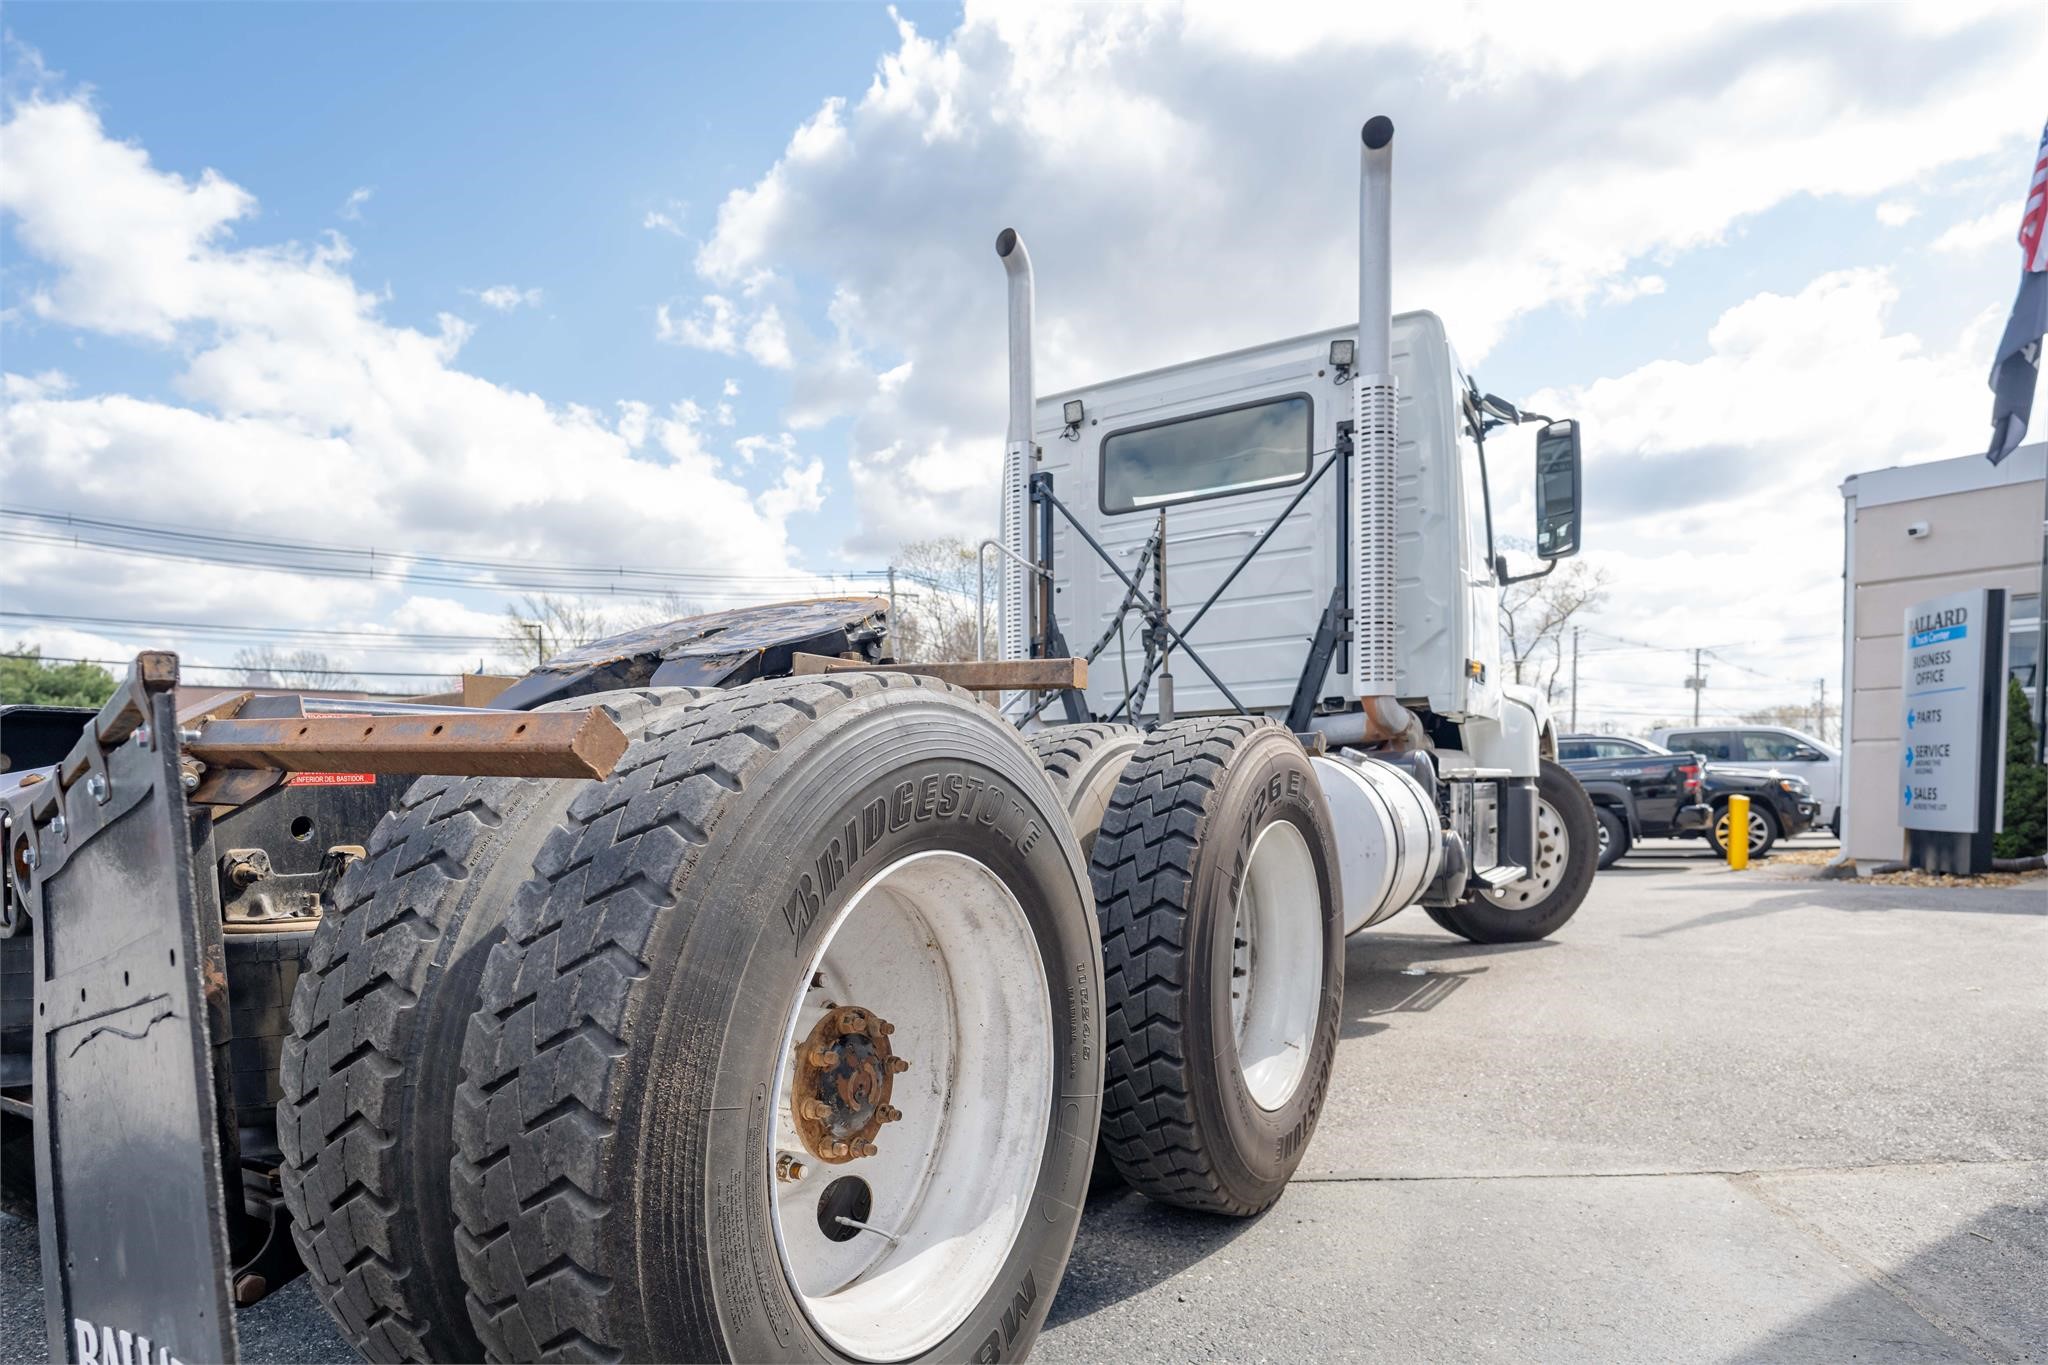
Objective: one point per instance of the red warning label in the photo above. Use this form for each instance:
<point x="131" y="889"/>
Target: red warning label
<point x="330" y="780"/>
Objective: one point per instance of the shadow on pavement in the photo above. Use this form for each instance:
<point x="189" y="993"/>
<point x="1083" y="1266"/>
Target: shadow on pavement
<point x="1128" y="1244"/>
<point x="1975" y="1292"/>
<point x="1380" y="975"/>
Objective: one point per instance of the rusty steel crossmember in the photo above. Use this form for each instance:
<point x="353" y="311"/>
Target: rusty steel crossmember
<point x="461" y="743"/>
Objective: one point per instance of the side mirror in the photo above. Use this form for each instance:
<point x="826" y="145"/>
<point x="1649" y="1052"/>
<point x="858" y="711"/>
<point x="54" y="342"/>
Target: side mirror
<point x="1557" y="490"/>
<point x="1807" y="754"/>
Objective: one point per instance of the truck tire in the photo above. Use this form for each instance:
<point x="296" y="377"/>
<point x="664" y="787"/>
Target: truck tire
<point x="1084" y="763"/>
<point x="787" y="908"/>
<point x="1223" y="962"/>
<point x="1763" y="829"/>
<point x="1612" y="835"/>
<point x="1537" y="906"/>
<point x="369" y="1070"/>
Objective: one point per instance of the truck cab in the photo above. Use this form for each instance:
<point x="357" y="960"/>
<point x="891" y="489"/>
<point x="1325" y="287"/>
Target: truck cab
<point x="1218" y="450"/>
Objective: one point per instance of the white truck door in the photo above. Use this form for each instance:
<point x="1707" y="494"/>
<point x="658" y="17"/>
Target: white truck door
<point x="1222" y="446"/>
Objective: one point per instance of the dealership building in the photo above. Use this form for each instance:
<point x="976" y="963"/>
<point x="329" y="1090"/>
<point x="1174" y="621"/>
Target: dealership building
<point x="1910" y="533"/>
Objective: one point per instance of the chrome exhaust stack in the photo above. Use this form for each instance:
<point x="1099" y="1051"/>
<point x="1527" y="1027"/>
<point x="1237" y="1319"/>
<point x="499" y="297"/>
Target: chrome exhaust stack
<point x="1375" y="431"/>
<point x="1015" y="639"/>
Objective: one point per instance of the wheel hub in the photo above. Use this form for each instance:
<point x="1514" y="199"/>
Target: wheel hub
<point x="839" y="1095"/>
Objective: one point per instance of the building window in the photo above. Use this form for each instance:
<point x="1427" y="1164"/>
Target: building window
<point x="1234" y="450"/>
<point x="2023" y="640"/>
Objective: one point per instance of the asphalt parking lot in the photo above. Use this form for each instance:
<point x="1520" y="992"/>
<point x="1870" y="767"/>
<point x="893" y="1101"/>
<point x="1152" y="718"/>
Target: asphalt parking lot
<point x="1721" y="1117"/>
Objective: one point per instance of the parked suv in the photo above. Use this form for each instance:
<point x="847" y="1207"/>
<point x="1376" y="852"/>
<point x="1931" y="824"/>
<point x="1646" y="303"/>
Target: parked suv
<point x="1768" y="749"/>
<point x="1780" y="805"/>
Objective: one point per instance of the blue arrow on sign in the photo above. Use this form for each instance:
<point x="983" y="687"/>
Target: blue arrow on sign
<point x="1909" y="796"/>
<point x="1909" y="755"/>
<point x="1909" y="720"/>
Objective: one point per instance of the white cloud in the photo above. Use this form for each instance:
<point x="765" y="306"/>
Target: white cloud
<point x="1543" y="158"/>
<point x="731" y="388"/>
<point x="1897" y="212"/>
<point x="46" y="384"/>
<point x="799" y="488"/>
<point x="712" y="327"/>
<point x="352" y="207"/>
<point x="1635" y="287"/>
<point x="659" y="221"/>
<point x="1714" y="484"/>
<point x="506" y="297"/>
<point x="299" y="404"/>
<point x="1974" y="234"/>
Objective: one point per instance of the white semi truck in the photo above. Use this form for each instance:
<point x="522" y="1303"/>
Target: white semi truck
<point x="1318" y="512"/>
<point x="721" y="992"/>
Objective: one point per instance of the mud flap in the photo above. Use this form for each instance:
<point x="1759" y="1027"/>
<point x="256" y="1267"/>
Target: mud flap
<point x="128" y="962"/>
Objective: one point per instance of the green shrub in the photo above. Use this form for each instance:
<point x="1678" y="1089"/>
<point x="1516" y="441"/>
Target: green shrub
<point x="2026" y="783"/>
<point x="24" y="677"/>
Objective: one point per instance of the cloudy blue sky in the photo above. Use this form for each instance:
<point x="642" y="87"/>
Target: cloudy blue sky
<point x="709" y="288"/>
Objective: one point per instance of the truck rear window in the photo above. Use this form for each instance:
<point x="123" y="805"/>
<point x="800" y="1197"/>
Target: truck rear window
<point x="1233" y="450"/>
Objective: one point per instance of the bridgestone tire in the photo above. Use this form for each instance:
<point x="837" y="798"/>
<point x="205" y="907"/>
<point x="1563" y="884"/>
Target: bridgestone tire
<point x="1084" y="763"/>
<point x="1613" y="836"/>
<point x="614" y="1120"/>
<point x="1179" y="1120"/>
<point x="370" y="1067"/>
<point x="1482" y="921"/>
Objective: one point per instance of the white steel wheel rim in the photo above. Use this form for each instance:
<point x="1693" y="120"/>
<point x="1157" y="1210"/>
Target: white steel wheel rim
<point x="1553" y="852"/>
<point x="937" y="945"/>
<point x="1276" y="964"/>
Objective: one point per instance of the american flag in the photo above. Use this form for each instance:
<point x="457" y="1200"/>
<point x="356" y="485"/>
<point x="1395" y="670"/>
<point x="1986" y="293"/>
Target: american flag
<point x="2034" y="221"/>
<point x="2017" y="365"/>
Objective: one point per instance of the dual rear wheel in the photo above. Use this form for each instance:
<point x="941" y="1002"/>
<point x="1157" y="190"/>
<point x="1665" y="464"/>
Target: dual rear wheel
<point x="785" y="1044"/>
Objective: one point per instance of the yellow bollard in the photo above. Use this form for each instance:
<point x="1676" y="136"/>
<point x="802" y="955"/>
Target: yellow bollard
<point x="1738" y="832"/>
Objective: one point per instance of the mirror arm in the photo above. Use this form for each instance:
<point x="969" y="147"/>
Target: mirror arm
<point x="1500" y="569"/>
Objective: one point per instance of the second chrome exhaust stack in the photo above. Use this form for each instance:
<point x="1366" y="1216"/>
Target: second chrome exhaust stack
<point x="1015" y="640"/>
<point x="1375" y="427"/>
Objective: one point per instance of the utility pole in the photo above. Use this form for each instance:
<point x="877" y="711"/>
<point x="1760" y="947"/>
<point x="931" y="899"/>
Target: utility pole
<point x="1575" y="679"/>
<point x="1697" y="683"/>
<point x="1820" y="711"/>
<point x="892" y="611"/>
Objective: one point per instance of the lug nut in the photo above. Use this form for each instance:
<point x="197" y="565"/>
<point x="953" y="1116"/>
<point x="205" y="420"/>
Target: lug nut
<point x="837" y="1149"/>
<point x="866" y="1149"/>
<point x="882" y="1027"/>
<point x="815" y="1109"/>
<point x="898" y="1065"/>
<point x="889" y="1113"/>
<point x="823" y="1058"/>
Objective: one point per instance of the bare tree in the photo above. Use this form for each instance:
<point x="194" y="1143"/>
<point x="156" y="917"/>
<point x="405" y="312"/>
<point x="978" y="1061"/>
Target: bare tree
<point x="1535" y="614"/>
<point x="659" y="610"/>
<point x="1811" y="717"/>
<point x="935" y="601"/>
<point x="268" y="666"/>
<point x="539" y="627"/>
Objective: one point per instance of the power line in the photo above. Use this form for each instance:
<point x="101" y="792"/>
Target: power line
<point x="366" y="638"/>
<point x="315" y="559"/>
<point x="287" y="668"/>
